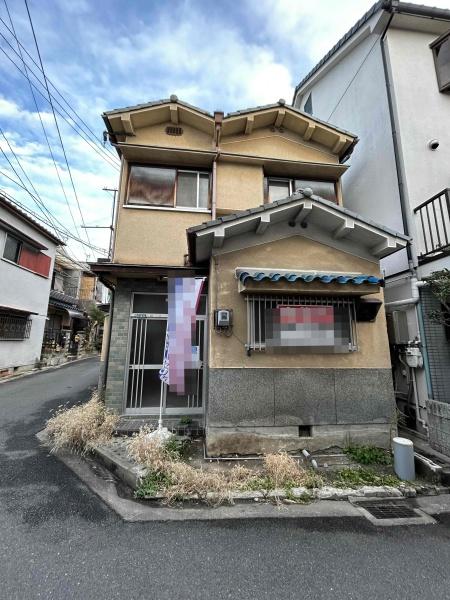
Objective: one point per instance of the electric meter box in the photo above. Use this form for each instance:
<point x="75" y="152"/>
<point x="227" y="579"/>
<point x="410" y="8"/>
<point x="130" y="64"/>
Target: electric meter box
<point x="222" y="318"/>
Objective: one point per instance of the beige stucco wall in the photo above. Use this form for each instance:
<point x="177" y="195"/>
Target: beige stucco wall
<point x="239" y="186"/>
<point x="156" y="135"/>
<point x="274" y="144"/>
<point x="154" y="237"/>
<point x="296" y="253"/>
<point x="158" y="237"/>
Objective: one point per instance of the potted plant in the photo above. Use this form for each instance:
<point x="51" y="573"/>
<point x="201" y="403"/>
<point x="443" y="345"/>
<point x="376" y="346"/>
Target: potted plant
<point x="185" y="426"/>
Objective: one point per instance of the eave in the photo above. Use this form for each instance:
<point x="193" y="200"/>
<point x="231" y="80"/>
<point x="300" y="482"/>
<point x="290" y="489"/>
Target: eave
<point x="298" y="211"/>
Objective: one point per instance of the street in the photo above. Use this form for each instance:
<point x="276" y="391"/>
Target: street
<point x="58" y="540"/>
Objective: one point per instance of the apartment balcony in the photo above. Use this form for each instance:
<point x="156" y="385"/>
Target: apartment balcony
<point x="433" y="227"/>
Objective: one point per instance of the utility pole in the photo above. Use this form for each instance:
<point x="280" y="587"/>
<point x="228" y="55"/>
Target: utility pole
<point x="110" y="227"/>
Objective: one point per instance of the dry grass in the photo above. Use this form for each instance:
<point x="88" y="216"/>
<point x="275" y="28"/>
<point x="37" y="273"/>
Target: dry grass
<point x="148" y="452"/>
<point x="81" y="427"/>
<point x="176" y="479"/>
<point x="283" y="470"/>
<point x="189" y="481"/>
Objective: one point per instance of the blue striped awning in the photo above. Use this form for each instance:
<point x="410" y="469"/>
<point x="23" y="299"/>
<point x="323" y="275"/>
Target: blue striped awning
<point x="307" y="277"/>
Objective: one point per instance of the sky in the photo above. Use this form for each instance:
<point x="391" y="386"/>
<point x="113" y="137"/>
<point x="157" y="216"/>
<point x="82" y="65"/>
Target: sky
<point x="104" y="54"/>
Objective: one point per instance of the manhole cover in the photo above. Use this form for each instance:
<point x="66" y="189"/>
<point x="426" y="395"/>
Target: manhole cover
<point x="390" y="511"/>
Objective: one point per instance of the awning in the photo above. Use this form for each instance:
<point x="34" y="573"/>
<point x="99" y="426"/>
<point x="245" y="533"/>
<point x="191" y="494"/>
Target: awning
<point x="305" y="276"/>
<point x="76" y="314"/>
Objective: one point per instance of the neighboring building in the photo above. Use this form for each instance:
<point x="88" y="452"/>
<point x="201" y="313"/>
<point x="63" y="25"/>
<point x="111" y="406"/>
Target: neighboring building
<point x="27" y="252"/>
<point x="252" y="201"/>
<point x="388" y="79"/>
<point x="75" y="289"/>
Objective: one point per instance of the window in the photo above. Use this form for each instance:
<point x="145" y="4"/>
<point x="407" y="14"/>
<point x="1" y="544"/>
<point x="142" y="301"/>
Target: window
<point x="293" y="324"/>
<point x="12" y="249"/>
<point x="308" y="107"/>
<point x="441" y="53"/>
<point x="14" y="327"/>
<point x="25" y="256"/>
<point x="279" y="188"/>
<point x="166" y="187"/>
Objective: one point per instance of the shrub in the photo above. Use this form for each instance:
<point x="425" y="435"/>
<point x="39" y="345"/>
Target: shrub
<point x="81" y="427"/>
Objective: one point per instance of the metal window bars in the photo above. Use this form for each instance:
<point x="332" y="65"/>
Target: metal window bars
<point x="257" y="305"/>
<point x="13" y="327"/>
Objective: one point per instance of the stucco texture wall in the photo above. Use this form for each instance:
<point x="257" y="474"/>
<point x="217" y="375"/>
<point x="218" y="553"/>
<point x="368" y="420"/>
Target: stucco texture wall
<point x="155" y="237"/>
<point x="287" y="145"/>
<point x="239" y="186"/>
<point x="295" y="252"/>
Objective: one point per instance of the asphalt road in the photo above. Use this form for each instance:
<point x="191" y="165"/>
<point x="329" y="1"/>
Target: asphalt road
<point x="57" y="540"/>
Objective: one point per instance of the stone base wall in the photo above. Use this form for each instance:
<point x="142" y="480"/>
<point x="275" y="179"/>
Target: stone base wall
<point x="223" y="441"/>
<point x="252" y="410"/>
<point x="438" y="414"/>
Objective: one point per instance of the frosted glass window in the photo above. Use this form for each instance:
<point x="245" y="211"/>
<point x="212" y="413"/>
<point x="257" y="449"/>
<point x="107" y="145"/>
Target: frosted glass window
<point x="151" y="186"/>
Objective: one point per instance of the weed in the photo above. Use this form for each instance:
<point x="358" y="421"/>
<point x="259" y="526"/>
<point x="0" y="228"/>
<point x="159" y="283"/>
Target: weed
<point x="81" y="427"/>
<point x="348" y="477"/>
<point x="177" y="449"/>
<point x="304" y="498"/>
<point x="369" y="455"/>
<point x="152" y="483"/>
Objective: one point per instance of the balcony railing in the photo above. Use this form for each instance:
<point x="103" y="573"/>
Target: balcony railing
<point x="433" y="225"/>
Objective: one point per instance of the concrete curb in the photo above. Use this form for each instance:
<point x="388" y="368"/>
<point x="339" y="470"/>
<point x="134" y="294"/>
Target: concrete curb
<point x="104" y="485"/>
<point x="46" y="369"/>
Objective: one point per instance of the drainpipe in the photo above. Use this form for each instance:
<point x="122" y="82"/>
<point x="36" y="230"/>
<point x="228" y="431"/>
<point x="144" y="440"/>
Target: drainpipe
<point x="218" y="118"/>
<point x="415" y="285"/>
<point x="404" y="203"/>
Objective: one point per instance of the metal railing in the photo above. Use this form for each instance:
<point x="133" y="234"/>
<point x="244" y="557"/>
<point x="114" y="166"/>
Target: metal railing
<point x="434" y="224"/>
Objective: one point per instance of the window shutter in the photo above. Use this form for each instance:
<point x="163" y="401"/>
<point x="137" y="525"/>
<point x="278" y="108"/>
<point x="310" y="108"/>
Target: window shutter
<point x="35" y="261"/>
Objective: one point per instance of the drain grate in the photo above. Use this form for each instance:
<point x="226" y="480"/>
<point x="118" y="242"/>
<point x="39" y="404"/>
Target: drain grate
<point x="390" y="510"/>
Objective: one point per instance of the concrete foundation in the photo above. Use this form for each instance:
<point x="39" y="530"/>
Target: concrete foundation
<point x="222" y="441"/>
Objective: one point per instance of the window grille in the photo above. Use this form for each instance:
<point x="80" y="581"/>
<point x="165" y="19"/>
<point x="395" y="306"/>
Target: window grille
<point x="13" y="327"/>
<point x="257" y="307"/>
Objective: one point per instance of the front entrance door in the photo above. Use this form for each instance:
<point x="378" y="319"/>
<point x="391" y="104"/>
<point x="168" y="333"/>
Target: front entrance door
<point x="145" y="355"/>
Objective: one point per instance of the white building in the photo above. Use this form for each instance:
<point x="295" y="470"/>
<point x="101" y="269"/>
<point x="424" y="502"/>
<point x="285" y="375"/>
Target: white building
<point x="388" y="80"/>
<point x="27" y="252"/>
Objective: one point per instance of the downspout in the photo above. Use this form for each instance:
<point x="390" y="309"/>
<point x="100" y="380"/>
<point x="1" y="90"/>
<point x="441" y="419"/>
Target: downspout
<point x="406" y="219"/>
<point x="218" y="118"/>
<point x="111" y="316"/>
<point x="396" y="145"/>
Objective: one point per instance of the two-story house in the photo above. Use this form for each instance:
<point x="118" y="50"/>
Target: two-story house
<point x="27" y="252"/>
<point x="388" y="79"/>
<point x="252" y="201"/>
<point x="74" y="290"/>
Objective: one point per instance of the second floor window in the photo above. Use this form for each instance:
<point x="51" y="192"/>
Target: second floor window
<point x="25" y="256"/>
<point x="278" y="188"/>
<point x="174" y="188"/>
<point x="441" y="53"/>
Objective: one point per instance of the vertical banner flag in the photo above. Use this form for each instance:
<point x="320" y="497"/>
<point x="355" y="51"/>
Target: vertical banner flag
<point x="180" y="355"/>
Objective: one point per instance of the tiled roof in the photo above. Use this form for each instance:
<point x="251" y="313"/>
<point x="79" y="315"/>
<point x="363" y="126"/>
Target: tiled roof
<point x="296" y="196"/>
<point x="291" y="277"/>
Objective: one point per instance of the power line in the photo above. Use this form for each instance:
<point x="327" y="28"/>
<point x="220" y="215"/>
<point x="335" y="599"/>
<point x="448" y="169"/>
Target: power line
<point x="61" y="230"/>
<point x="43" y="129"/>
<point x="71" y="125"/>
<point x="41" y="204"/>
<point x="55" y="119"/>
<point x="91" y="134"/>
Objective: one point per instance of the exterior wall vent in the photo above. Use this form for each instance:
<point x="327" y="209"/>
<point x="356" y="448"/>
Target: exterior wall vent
<point x="174" y="130"/>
